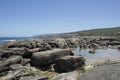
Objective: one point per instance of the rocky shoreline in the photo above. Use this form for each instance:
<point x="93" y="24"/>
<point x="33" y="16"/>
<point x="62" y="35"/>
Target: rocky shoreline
<point x="44" y="59"/>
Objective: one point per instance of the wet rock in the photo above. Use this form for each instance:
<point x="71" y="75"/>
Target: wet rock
<point x="68" y="63"/>
<point x="104" y="72"/>
<point x="48" y="57"/>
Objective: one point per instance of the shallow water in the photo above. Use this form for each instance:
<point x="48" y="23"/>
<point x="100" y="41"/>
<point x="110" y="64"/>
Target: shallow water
<point x="99" y="55"/>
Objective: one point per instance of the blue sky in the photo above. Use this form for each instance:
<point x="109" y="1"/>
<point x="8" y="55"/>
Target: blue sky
<point x="33" y="17"/>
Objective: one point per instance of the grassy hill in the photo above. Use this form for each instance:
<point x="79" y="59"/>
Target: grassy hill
<point x="109" y="32"/>
<point x="100" y="32"/>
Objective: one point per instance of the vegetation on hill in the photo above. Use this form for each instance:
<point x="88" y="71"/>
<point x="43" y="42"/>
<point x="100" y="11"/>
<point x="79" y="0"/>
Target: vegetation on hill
<point x="99" y="32"/>
<point x="109" y="32"/>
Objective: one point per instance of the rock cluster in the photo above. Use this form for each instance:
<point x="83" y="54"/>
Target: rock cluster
<point x="53" y="54"/>
<point x="48" y="57"/>
<point x="16" y="56"/>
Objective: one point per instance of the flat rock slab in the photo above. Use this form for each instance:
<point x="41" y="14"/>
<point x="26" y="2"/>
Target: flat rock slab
<point x="104" y="72"/>
<point x="67" y="76"/>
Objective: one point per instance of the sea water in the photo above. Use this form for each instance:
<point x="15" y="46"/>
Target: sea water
<point x="5" y="39"/>
<point x="99" y="55"/>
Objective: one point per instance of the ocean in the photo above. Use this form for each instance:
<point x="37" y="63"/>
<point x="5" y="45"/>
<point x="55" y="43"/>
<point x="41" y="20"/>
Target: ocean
<point x="5" y="39"/>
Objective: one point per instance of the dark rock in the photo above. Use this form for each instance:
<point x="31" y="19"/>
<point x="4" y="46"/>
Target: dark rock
<point x="92" y="51"/>
<point x="25" y="61"/>
<point x="1" y="53"/>
<point x="104" y="72"/>
<point x="3" y="69"/>
<point x="68" y="63"/>
<point x="48" y="57"/>
<point x="5" y="53"/>
<point x="119" y="47"/>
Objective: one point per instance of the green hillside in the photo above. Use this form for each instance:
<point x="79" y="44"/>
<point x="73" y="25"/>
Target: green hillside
<point x="100" y="32"/>
<point x="109" y="32"/>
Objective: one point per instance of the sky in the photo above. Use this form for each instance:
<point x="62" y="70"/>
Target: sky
<point x="34" y="17"/>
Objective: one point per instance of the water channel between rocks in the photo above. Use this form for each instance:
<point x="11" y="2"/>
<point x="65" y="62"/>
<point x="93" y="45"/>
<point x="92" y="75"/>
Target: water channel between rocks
<point x="100" y="55"/>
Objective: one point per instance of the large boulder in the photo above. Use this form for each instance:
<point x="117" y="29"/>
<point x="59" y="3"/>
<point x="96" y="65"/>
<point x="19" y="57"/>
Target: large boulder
<point x="68" y="63"/>
<point x="48" y="57"/>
